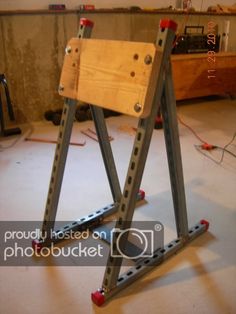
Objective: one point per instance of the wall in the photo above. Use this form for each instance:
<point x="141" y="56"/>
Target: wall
<point x="32" y="49"/>
<point x="74" y="4"/>
<point x="31" y="55"/>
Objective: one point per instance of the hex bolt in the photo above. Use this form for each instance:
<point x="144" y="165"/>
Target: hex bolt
<point x="137" y="107"/>
<point x="68" y="49"/>
<point x="61" y="88"/>
<point x="148" y="59"/>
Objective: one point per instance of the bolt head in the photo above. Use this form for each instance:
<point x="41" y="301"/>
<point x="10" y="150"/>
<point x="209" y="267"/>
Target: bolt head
<point x="68" y="49"/>
<point x="137" y="107"/>
<point x="148" y="59"/>
<point x="61" y="88"/>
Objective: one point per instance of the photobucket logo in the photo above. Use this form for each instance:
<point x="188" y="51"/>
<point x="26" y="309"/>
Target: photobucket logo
<point x="134" y="243"/>
<point x="17" y="251"/>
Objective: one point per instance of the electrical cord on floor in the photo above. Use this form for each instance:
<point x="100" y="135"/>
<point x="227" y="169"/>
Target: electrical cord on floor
<point x="208" y="147"/>
<point x="192" y="130"/>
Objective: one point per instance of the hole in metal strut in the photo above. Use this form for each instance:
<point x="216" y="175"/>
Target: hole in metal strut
<point x="139" y="136"/>
<point x="136" y="151"/>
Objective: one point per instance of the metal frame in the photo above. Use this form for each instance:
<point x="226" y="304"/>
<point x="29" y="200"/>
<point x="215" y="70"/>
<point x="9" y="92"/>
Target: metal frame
<point x="124" y="203"/>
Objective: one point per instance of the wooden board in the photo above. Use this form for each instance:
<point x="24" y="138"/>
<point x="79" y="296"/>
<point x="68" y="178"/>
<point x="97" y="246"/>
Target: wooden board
<point x="190" y="75"/>
<point x="110" y="74"/>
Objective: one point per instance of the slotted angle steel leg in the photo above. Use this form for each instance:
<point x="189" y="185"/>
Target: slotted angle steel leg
<point x="105" y="146"/>
<point x="58" y="167"/>
<point x="103" y="137"/>
<point x="138" y="159"/>
<point x="171" y="132"/>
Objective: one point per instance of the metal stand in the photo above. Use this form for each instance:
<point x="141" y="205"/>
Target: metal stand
<point x="124" y="203"/>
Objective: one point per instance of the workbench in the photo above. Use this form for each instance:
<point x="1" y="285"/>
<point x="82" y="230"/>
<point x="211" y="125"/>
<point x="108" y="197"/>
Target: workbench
<point x="197" y="75"/>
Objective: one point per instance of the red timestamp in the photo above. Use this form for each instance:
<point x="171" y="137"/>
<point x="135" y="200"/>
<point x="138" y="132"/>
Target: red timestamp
<point x="211" y="54"/>
<point x="211" y="58"/>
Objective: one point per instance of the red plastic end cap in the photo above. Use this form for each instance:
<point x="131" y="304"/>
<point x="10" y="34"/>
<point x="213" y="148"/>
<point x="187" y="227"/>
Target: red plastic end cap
<point x="97" y="298"/>
<point x="37" y="246"/>
<point x="86" y="22"/>
<point x="142" y="193"/>
<point x="159" y="120"/>
<point x="206" y="223"/>
<point x="168" y="24"/>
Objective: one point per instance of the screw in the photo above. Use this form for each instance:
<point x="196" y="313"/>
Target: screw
<point x="148" y="59"/>
<point x="61" y="88"/>
<point x="68" y="50"/>
<point x="137" y="107"/>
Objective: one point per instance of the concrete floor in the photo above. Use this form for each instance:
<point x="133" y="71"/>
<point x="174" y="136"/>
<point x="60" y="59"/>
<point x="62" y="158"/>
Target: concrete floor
<point x="200" y="279"/>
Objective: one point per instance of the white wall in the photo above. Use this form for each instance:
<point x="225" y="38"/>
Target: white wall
<point x="73" y="4"/>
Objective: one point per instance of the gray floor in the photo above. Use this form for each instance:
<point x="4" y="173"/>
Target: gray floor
<point x="200" y="279"/>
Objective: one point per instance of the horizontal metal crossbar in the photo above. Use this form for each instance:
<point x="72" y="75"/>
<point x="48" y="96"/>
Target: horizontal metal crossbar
<point x="86" y="222"/>
<point x="147" y="264"/>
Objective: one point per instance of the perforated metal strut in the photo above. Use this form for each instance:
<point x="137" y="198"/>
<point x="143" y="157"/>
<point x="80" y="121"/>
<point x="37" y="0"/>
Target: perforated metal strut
<point x="138" y="159"/>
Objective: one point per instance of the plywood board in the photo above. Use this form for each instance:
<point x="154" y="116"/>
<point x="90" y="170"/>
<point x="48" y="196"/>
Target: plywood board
<point x="111" y="74"/>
